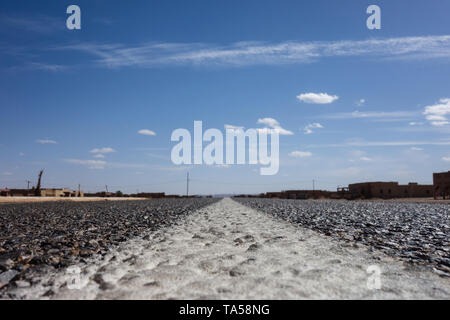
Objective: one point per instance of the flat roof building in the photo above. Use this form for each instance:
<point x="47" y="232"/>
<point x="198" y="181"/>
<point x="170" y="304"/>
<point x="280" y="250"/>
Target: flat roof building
<point x="389" y="190"/>
<point x="441" y="185"/>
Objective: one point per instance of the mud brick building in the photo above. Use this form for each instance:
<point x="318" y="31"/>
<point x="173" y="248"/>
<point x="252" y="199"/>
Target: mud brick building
<point x="441" y="185"/>
<point x="389" y="190"/>
<point x="5" y="192"/>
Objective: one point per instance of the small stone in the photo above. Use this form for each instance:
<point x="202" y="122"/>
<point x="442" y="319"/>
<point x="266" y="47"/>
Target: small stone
<point x="236" y="272"/>
<point x="254" y="247"/>
<point x="48" y="293"/>
<point x="152" y="284"/>
<point x="7" y="276"/>
<point x="22" y="284"/>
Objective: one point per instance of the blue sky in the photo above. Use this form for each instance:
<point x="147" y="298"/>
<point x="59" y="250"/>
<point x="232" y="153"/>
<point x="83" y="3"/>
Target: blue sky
<point x="73" y="101"/>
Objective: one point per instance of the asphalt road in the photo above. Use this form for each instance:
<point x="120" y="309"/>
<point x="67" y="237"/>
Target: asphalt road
<point x="230" y="251"/>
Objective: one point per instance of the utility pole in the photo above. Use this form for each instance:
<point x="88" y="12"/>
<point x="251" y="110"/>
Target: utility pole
<point x="314" y="185"/>
<point x="106" y="186"/>
<point x="79" y="190"/>
<point x="28" y="184"/>
<point x="187" y="185"/>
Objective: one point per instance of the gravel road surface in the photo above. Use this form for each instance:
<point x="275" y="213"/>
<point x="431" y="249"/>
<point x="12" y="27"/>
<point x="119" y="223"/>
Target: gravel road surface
<point x="230" y="251"/>
<point x="39" y="236"/>
<point x="415" y="232"/>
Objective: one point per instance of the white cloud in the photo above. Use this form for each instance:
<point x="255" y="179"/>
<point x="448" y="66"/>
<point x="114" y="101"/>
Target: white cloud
<point x="359" y="155"/>
<point x="273" y="125"/>
<point x="436" y="118"/>
<point x="437" y="114"/>
<point x="413" y="123"/>
<point x="99" y="156"/>
<point x="21" y="154"/>
<point x="231" y="127"/>
<point x="416" y="149"/>
<point x="381" y="144"/>
<point x="103" y="150"/>
<point x="260" y="53"/>
<point x="147" y="132"/>
<point x="317" y="98"/>
<point x="391" y="115"/>
<point x="361" y="102"/>
<point x="300" y="154"/>
<point x="309" y="127"/>
<point x="268" y="122"/>
<point x="7" y="173"/>
<point x="439" y="123"/>
<point x="447" y="159"/>
<point x="86" y="162"/>
<point x="92" y="164"/>
<point x="45" y="141"/>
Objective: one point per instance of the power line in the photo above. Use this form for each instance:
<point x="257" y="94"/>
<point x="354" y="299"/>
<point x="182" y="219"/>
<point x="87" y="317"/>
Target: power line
<point x="187" y="185"/>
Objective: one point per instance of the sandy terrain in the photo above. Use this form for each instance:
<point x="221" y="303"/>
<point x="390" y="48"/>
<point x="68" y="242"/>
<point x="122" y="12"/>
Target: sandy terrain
<point x="46" y="199"/>
<point x="229" y="251"/>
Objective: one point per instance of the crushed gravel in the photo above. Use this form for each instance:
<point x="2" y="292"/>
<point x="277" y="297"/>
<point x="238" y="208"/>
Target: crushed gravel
<point x="416" y="232"/>
<point x="35" y="236"/>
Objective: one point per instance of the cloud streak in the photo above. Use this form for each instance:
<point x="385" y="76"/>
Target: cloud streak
<point x="103" y="150"/>
<point x="92" y="164"/>
<point x="147" y="132"/>
<point x="116" y="55"/>
<point x="46" y="141"/>
<point x="36" y="23"/>
<point x="374" y="115"/>
<point x="300" y="154"/>
<point x="381" y="144"/>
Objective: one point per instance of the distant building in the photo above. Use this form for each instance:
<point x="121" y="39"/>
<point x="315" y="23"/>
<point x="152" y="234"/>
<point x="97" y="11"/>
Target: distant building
<point x="58" y="193"/>
<point x="102" y="194"/>
<point x="150" y="195"/>
<point x="441" y="185"/>
<point x="305" y="194"/>
<point x="389" y="190"/>
<point x="273" y="195"/>
<point x="21" y="192"/>
<point x="296" y="194"/>
<point x="5" y="192"/>
<point x="61" y="193"/>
